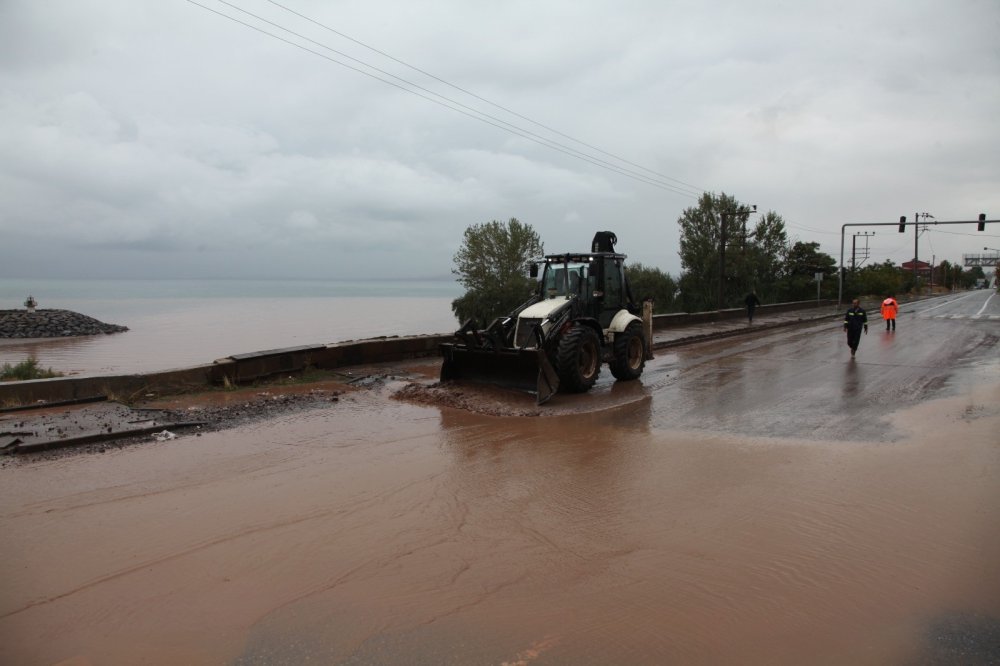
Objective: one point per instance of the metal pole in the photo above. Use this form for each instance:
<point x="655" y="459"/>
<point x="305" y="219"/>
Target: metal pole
<point x="843" y="228"/>
<point x="722" y="258"/>
<point x="840" y="271"/>
<point x="916" y="236"/>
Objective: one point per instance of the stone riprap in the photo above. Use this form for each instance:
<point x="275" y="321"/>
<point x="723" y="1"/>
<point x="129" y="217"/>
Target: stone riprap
<point x="52" y="324"/>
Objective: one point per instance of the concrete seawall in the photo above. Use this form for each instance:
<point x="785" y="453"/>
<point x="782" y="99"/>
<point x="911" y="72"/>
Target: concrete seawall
<point x="244" y="368"/>
<point x="240" y="368"/>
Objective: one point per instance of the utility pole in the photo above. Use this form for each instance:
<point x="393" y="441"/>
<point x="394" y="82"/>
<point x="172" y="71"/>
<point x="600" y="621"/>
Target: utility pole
<point x="916" y="236"/>
<point x="742" y="211"/>
<point x="722" y="260"/>
<point x="854" y="240"/>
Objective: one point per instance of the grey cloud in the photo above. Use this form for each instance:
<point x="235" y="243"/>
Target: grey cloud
<point x="131" y="129"/>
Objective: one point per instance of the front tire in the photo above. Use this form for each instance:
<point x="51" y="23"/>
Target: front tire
<point x="579" y="359"/>
<point x="629" y="353"/>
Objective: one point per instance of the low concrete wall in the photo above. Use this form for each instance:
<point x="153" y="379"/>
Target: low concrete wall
<point x="243" y="368"/>
<point x="121" y="387"/>
<point x="240" y="368"/>
<point x="681" y="319"/>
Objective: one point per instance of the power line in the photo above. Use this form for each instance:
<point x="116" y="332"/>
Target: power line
<point x="482" y="99"/>
<point x="470" y="112"/>
<point x="899" y="249"/>
<point x="960" y="233"/>
<point x="540" y="139"/>
<point x="815" y="231"/>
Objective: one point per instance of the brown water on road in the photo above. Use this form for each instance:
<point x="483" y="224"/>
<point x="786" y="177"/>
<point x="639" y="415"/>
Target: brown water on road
<point x="385" y="532"/>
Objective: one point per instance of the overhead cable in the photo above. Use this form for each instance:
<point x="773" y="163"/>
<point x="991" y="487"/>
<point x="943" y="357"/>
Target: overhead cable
<point x="480" y="98"/>
<point x="447" y="102"/>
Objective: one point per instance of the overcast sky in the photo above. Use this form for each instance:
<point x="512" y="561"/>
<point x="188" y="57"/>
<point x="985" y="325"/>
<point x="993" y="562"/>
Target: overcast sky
<point x="144" y="138"/>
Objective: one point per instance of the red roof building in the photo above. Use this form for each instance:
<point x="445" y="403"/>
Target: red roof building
<point x="923" y="268"/>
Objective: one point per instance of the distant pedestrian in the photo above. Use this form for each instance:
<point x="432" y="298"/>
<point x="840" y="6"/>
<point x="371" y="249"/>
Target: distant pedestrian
<point x="855" y="320"/>
<point x="752" y="302"/>
<point x="889" y="309"/>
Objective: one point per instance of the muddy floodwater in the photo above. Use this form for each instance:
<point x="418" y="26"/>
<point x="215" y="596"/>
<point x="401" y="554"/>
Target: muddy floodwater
<point x="381" y="531"/>
<point x="766" y="500"/>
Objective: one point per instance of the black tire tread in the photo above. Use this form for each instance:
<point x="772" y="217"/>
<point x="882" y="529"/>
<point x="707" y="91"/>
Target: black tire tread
<point x="619" y="365"/>
<point x="568" y="365"/>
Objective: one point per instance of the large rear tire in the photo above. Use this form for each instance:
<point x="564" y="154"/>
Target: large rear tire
<point x="629" y="353"/>
<point x="579" y="359"/>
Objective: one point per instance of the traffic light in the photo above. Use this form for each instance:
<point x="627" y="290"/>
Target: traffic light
<point x="902" y="223"/>
<point x="982" y="221"/>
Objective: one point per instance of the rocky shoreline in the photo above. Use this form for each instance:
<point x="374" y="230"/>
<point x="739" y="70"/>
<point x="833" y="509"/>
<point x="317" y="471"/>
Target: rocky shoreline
<point x="52" y="324"/>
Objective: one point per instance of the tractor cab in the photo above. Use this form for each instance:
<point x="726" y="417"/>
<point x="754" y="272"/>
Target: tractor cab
<point x="595" y="280"/>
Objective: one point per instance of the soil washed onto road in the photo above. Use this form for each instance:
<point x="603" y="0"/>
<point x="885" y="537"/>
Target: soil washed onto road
<point x="648" y="522"/>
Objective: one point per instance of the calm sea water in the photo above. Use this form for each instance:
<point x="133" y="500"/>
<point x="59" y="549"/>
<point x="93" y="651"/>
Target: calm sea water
<point x="178" y="323"/>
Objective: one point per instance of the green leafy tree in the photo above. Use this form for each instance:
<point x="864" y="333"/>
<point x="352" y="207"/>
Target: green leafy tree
<point x="802" y="263"/>
<point x="700" y="239"/>
<point x="649" y="282"/>
<point x="878" y="280"/>
<point x="767" y="254"/>
<point x="753" y="256"/>
<point x="492" y="264"/>
<point x="969" y="277"/>
<point x="949" y="275"/>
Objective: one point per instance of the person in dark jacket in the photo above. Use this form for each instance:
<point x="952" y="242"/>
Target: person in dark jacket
<point x="752" y="302"/>
<point x="855" y="321"/>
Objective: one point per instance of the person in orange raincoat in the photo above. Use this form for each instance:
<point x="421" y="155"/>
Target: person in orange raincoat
<point x="889" y="309"/>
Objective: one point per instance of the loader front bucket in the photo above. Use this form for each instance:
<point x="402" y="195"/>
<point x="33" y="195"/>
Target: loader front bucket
<point x="522" y="369"/>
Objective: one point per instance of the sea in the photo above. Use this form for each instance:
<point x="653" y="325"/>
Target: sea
<point x="185" y="322"/>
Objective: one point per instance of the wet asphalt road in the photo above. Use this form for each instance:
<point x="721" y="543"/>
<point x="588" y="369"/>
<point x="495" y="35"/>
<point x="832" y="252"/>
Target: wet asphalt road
<point x="762" y="499"/>
<point x="803" y="383"/>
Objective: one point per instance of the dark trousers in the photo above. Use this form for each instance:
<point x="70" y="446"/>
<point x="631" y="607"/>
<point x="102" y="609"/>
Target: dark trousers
<point x="891" y="322"/>
<point x="853" y="338"/>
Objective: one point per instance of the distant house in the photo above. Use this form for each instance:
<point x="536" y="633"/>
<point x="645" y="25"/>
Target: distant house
<point x="923" y="268"/>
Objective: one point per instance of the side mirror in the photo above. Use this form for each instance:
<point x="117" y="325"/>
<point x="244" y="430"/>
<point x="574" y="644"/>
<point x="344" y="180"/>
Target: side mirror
<point x="533" y="270"/>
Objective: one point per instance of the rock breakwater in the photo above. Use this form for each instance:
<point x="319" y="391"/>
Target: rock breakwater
<point x="51" y="324"/>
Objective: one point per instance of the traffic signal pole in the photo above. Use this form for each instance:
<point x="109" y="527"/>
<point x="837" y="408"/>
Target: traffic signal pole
<point x="981" y="222"/>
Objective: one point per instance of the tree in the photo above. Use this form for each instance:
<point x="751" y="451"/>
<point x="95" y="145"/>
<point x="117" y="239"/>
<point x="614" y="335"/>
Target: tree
<point x="876" y="280"/>
<point x="492" y="264"/>
<point x="649" y="282"/>
<point x="700" y="236"/>
<point x="802" y="263"/>
<point x="767" y="258"/>
<point x="752" y="256"/>
<point x="969" y="277"/>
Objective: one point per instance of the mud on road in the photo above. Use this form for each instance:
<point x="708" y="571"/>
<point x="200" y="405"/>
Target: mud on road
<point x="59" y="431"/>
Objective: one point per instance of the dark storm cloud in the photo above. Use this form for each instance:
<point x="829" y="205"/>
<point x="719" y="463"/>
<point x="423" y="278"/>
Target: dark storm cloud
<point x="130" y="129"/>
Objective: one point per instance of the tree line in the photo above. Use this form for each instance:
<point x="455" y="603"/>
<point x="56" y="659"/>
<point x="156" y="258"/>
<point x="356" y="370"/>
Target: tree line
<point x="727" y="250"/>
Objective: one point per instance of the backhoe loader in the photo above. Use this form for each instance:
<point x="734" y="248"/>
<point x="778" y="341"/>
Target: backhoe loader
<point x="580" y="316"/>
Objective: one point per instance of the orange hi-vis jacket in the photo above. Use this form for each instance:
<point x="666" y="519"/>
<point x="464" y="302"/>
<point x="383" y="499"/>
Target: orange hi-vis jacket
<point x="889" y="308"/>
